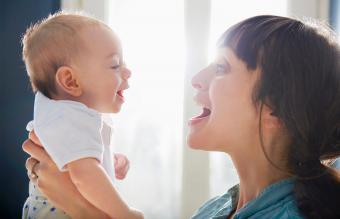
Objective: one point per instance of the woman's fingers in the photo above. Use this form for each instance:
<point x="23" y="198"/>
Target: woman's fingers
<point x="34" y="180"/>
<point x="32" y="165"/>
<point x="35" y="150"/>
<point x="34" y="138"/>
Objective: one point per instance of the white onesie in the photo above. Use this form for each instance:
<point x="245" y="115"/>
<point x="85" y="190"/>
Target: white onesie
<point x="69" y="131"/>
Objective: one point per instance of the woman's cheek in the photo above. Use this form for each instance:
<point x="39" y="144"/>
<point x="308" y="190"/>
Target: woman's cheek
<point x="218" y="93"/>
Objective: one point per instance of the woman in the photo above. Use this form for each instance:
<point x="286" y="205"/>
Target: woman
<point x="271" y="100"/>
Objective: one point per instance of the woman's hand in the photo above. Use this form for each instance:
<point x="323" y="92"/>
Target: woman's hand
<point x="56" y="185"/>
<point x="122" y="165"/>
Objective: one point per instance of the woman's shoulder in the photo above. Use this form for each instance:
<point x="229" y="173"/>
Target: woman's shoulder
<point x="290" y="211"/>
<point x="283" y="210"/>
<point x="277" y="201"/>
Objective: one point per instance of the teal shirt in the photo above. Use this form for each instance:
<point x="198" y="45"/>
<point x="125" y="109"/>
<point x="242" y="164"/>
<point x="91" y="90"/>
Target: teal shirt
<point x="274" y="202"/>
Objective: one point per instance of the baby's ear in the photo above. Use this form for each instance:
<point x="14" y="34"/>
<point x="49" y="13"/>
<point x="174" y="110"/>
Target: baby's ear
<point x="68" y="80"/>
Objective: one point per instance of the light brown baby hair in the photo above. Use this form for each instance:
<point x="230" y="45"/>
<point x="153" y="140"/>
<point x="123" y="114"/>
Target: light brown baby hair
<point x="52" y="43"/>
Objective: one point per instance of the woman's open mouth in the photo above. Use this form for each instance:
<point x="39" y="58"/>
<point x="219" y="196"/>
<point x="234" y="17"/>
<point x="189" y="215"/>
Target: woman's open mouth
<point x="205" y="114"/>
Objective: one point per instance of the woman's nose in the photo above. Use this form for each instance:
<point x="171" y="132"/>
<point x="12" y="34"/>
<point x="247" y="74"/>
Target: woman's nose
<point x="196" y="85"/>
<point x="197" y="81"/>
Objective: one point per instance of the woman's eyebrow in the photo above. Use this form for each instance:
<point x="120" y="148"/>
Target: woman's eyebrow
<point x="226" y="62"/>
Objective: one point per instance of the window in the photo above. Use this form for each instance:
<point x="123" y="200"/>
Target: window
<point x="149" y="127"/>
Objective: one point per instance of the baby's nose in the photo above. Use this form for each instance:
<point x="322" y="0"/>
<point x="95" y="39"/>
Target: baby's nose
<point x="126" y="74"/>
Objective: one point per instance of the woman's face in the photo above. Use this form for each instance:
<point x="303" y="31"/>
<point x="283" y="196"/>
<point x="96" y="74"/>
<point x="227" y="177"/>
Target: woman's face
<point x="229" y="120"/>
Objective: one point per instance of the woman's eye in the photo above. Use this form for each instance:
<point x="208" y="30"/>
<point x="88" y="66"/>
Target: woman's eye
<point x="220" y="69"/>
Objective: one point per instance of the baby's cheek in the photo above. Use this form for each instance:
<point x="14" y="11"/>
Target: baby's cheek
<point x="115" y="82"/>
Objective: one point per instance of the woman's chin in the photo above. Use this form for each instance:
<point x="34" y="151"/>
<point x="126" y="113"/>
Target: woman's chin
<point x="200" y="141"/>
<point x="192" y="145"/>
<point x="196" y="138"/>
<point x="195" y="143"/>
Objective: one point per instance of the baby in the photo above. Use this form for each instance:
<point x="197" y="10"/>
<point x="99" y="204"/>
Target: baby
<point x="76" y="68"/>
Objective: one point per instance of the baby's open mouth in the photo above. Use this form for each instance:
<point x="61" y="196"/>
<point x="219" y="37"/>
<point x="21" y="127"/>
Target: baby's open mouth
<point x="120" y="93"/>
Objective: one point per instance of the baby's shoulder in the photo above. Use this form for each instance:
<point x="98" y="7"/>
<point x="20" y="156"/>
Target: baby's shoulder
<point x="70" y="116"/>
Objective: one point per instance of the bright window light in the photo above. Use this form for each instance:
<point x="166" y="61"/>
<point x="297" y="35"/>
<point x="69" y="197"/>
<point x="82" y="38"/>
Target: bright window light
<point x="226" y="13"/>
<point x="149" y="127"/>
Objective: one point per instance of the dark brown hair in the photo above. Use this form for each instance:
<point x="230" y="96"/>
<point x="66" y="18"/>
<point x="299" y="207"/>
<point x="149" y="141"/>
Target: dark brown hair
<point x="300" y="81"/>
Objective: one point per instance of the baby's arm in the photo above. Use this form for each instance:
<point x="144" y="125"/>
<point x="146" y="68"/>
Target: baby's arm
<point x="93" y="183"/>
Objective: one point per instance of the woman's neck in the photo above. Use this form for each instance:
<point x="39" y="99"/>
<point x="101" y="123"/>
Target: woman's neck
<point x="255" y="173"/>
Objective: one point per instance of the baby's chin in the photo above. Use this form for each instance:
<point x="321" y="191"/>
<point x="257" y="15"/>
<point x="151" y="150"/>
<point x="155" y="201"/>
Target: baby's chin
<point x="113" y="109"/>
<point x="108" y="109"/>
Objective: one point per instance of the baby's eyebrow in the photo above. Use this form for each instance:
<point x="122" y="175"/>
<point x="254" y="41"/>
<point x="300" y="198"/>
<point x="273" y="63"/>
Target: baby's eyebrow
<point x="111" y="55"/>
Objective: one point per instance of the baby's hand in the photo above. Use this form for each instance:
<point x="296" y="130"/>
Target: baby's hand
<point x="122" y="165"/>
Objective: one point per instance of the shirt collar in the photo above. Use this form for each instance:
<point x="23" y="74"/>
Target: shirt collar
<point x="271" y="195"/>
<point x="230" y="203"/>
<point x="107" y="119"/>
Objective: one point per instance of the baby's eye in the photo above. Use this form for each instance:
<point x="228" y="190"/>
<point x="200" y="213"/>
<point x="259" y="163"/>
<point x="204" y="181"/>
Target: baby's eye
<point x="115" y="67"/>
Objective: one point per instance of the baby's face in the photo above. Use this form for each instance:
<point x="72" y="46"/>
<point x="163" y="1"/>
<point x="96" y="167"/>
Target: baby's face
<point x="103" y="74"/>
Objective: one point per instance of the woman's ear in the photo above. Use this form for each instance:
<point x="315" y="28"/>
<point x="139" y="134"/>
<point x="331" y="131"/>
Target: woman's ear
<point x="269" y="119"/>
<point x="68" y="81"/>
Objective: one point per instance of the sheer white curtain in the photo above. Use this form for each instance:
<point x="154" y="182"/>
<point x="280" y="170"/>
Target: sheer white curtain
<point x="149" y="127"/>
